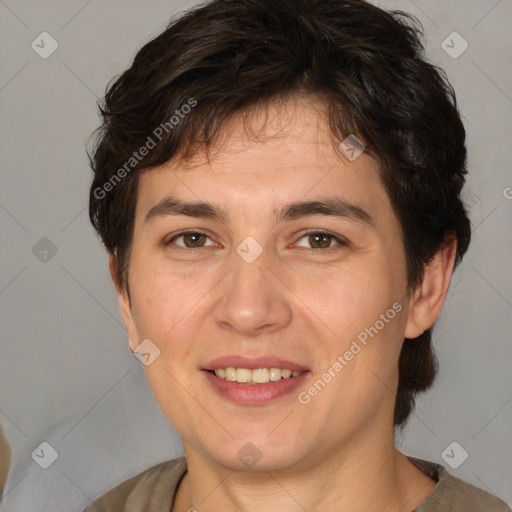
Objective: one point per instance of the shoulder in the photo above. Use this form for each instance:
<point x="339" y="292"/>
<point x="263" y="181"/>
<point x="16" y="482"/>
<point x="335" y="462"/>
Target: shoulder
<point x="451" y="494"/>
<point x="155" y="487"/>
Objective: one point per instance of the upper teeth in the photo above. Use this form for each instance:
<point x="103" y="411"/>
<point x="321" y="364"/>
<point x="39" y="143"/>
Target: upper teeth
<point x="258" y="376"/>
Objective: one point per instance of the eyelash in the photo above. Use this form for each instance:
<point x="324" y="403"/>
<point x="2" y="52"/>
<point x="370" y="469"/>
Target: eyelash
<point x="341" y="242"/>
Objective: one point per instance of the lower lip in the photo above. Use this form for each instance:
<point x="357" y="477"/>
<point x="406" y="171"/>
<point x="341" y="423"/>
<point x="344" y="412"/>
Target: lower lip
<point x="253" y="394"/>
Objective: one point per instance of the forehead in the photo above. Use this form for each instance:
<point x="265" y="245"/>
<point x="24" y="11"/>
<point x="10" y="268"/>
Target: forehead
<point x="270" y="157"/>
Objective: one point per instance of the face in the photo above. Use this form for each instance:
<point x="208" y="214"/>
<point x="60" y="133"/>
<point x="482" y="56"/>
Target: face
<point x="260" y="283"/>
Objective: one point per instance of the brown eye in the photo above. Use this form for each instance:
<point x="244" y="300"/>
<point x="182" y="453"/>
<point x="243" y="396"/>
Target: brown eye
<point x="191" y="239"/>
<point x="196" y="239"/>
<point x="321" y="240"/>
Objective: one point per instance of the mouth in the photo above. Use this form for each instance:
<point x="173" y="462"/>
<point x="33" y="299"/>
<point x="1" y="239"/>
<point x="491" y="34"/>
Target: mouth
<point x="254" y="377"/>
<point x="254" y="381"/>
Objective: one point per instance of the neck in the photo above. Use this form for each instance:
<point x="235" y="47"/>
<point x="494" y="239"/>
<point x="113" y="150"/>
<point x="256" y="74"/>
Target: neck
<point x="353" y="477"/>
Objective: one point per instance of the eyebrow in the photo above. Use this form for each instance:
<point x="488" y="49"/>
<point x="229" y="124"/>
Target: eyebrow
<point x="333" y="206"/>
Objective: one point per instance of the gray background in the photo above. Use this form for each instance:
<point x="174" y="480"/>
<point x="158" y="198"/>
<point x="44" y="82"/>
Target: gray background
<point x="66" y="374"/>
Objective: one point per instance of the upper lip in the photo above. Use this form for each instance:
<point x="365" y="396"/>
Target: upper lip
<point x="252" y="363"/>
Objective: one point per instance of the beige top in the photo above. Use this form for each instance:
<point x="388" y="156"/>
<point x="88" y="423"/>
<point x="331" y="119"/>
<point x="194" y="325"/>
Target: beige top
<point x="153" y="490"/>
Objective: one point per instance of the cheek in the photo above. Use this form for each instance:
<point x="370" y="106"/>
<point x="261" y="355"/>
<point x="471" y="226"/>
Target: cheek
<point x="347" y="299"/>
<point x="162" y="300"/>
<point x="166" y="309"/>
<point x="362" y="309"/>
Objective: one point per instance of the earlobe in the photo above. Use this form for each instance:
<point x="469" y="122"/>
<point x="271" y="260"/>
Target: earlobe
<point x="125" y="307"/>
<point x="428" y="299"/>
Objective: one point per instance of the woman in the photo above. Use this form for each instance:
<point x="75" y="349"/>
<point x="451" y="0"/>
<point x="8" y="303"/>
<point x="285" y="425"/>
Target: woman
<point x="278" y="186"/>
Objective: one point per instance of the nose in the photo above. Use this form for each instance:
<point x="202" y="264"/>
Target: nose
<point x="254" y="299"/>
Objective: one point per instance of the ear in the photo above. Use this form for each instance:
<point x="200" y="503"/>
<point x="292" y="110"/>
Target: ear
<point x="427" y="301"/>
<point x="125" y="306"/>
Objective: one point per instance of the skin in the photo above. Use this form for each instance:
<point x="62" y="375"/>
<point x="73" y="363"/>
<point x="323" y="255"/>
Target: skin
<point x="298" y="301"/>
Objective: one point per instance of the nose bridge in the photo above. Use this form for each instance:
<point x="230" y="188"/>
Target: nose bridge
<point x="252" y="298"/>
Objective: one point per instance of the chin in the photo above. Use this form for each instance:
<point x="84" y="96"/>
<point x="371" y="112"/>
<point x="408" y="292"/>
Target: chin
<point x="256" y="454"/>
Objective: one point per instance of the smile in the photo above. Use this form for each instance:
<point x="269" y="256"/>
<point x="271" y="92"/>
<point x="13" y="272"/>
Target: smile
<point x="256" y="376"/>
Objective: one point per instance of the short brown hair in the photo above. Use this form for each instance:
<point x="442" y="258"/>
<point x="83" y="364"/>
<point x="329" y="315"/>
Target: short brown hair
<point x="231" y="55"/>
